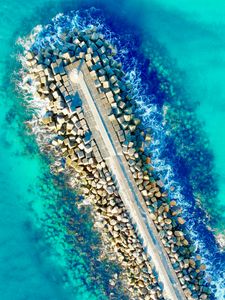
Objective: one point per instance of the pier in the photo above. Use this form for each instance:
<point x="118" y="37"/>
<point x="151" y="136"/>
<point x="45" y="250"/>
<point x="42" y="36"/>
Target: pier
<point x="95" y="112"/>
<point x="95" y="136"/>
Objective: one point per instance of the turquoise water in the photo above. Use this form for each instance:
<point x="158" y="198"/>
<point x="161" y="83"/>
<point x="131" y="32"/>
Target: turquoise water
<point x="38" y="260"/>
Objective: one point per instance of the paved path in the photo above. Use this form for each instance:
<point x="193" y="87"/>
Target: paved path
<point x="95" y="108"/>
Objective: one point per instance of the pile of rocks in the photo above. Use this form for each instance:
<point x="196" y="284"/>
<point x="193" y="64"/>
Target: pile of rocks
<point x="75" y="144"/>
<point x="77" y="150"/>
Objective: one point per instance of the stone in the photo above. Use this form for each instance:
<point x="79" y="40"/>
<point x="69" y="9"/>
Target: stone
<point x="152" y="216"/>
<point x="55" y="94"/>
<point x="132" y="128"/>
<point x="192" y="263"/>
<point x="148" y="160"/>
<point x="113" y="222"/>
<point x="46" y="119"/>
<point x="29" y="55"/>
<point x="52" y="86"/>
<point x="168" y="221"/>
<point x="141" y="283"/>
<point x="158" y="194"/>
<point x="74" y="119"/>
<point x="105" y="61"/>
<point x="131" y="151"/>
<point x="94" y="36"/>
<point x="204" y="297"/>
<point x="109" y="94"/>
<point x="115" y="89"/>
<point x="202" y="267"/>
<point x="161" y="209"/>
<point x="113" y="79"/>
<point x="178" y="233"/>
<point x="99" y="43"/>
<point x="102" y="78"/>
<point x="88" y="57"/>
<point x="106" y="84"/>
<point x="180" y="220"/>
<point x="144" y="193"/>
<point x="185" y="242"/>
<point x="109" y="190"/>
<point x="55" y="68"/>
<point x="80" y="154"/>
<point x="101" y="50"/>
<point x="147" y="137"/>
<point x="187" y="293"/>
<point x="136" y="121"/>
<point x="89" y="64"/>
<point x="97" y="83"/>
<point x="127" y="118"/>
<point x="173" y="203"/>
<point x="66" y="55"/>
<point x="93" y="75"/>
<point x="115" y="210"/>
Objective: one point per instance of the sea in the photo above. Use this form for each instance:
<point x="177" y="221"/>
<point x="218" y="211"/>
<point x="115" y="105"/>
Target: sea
<point x="173" y="53"/>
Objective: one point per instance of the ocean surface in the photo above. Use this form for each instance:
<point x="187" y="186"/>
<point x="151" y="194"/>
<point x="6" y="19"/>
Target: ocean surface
<point x="174" y="54"/>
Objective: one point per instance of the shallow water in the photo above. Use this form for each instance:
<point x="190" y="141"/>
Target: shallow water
<point x="180" y="41"/>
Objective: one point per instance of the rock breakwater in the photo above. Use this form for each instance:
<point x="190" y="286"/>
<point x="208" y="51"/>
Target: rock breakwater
<point x="65" y="133"/>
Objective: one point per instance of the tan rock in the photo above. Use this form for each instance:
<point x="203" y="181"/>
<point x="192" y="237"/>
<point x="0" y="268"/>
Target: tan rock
<point x="144" y="193"/>
<point x="141" y="283"/>
<point x="180" y="220"/>
<point x="46" y="120"/>
<point x="187" y="293"/>
<point x="127" y="118"/>
<point x="185" y="242"/>
<point x="168" y="221"/>
<point x="106" y="84"/>
<point x="147" y="137"/>
<point x="148" y="160"/>
<point x="203" y="267"/>
<point x="173" y="203"/>
<point x="152" y="216"/>
<point x="166" y="208"/>
<point x="113" y="222"/>
<point x="158" y="194"/>
<point x="178" y="233"/>
<point x="29" y="55"/>
<point x="192" y="263"/>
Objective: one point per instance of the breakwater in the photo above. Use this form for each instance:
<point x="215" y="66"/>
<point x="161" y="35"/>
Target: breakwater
<point x="62" y="123"/>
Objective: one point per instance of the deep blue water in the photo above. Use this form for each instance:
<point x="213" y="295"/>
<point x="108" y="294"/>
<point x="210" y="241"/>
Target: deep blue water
<point x="38" y="258"/>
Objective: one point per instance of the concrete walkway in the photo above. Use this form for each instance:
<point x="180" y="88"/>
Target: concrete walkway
<point x="96" y="109"/>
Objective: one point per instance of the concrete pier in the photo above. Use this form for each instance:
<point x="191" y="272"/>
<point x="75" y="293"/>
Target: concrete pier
<point x="111" y="150"/>
<point x="90" y="126"/>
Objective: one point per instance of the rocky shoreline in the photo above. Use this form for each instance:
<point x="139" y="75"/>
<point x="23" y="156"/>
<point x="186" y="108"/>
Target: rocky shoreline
<point x="76" y="153"/>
